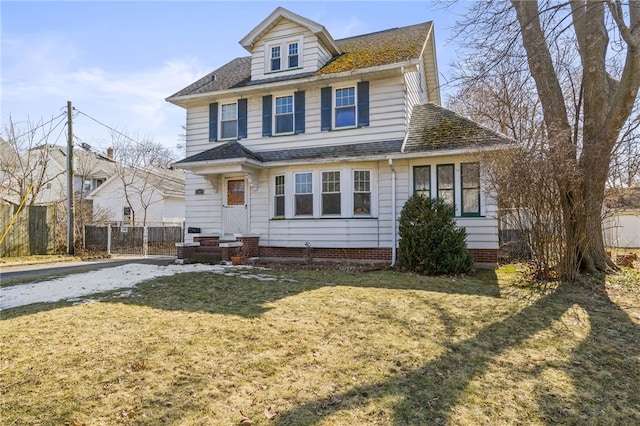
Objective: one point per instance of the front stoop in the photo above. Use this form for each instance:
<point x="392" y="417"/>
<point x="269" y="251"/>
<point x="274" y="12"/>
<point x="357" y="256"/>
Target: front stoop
<point x="211" y="248"/>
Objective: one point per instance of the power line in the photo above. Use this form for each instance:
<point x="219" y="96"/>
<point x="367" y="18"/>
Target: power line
<point x="110" y="128"/>
<point x="41" y="125"/>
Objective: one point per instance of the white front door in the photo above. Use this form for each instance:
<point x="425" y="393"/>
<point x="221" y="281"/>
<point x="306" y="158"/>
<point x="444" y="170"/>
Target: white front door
<point x="235" y="207"/>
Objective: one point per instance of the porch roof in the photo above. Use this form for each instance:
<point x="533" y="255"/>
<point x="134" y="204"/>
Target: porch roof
<point x="233" y="150"/>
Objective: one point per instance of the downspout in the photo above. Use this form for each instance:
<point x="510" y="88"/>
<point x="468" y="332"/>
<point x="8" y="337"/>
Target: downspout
<point x="394" y="232"/>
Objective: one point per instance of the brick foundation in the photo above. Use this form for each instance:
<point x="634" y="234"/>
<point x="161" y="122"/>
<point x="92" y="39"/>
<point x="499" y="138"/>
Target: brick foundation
<point x="343" y="254"/>
<point x="253" y="249"/>
<point x="485" y="255"/>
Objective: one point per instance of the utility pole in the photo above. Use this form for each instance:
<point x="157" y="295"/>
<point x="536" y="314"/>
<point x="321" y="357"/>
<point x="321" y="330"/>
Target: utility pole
<point x="70" y="224"/>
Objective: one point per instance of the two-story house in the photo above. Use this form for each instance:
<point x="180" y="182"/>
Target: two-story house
<point x="311" y="141"/>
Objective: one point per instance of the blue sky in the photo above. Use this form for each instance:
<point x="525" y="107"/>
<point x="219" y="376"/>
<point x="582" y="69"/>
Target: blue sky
<point x="118" y="61"/>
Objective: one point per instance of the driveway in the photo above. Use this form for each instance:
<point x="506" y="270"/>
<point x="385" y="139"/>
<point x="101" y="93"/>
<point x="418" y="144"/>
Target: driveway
<point x="85" y="279"/>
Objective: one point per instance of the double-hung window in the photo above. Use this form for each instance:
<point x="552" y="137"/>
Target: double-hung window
<point x="229" y="121"/>
<point x="275" y="58"/>
<point x="361" y="192"/>
<point x="293" y="55"/>
<point x="304" y="194"/>
<point x="345" y="109"/>
<point x="331" y="193"/>
<point x="470" y="177"/>
<point x="446" y="183"/>
<point x="284" y="114"/>
<point x="422" y="180"/>
<point x="278" y="201"/>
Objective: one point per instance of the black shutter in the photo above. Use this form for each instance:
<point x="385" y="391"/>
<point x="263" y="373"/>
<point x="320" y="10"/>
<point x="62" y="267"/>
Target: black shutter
<point x="242" y="118"/>
<point x="298" y="103"/>
<point x="325" y="108"/>
<point x="363" y="103"/>
<point x="213" y="122"/>
<point x="266" y="115"/>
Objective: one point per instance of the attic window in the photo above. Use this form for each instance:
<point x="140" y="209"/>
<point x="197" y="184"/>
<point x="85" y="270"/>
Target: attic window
<point x="293" y="55"/>
<point x="283" y="55"/>
<point x="275" y="58"/>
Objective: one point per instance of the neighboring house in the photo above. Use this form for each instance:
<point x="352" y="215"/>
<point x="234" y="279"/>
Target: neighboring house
<point x="8" y="157"/>
<point x="91" y="170"/>
<point x="621" y="224"/>
<point x="149" y="195"/>
<point x="311" y="141"/>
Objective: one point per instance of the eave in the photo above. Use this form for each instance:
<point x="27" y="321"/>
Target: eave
<point x="248" y="41"/>
<point x="301" y="83"/>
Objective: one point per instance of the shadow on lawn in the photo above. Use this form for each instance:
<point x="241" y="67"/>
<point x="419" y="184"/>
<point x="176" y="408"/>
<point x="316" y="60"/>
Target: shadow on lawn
<point x="220" y="294"/>
<point x="603" y="368"/>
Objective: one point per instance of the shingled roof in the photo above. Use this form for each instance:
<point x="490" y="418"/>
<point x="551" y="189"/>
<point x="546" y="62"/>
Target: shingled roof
<point x="234" y="150"/>
<point x="380" y="48"/>
<point x="432" y="128"/>
<point x="364" y="51"/>
<point x="436" y="128"/>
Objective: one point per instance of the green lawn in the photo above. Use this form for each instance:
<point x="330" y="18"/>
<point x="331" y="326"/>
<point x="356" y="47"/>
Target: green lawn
<point x="328" y="348"/>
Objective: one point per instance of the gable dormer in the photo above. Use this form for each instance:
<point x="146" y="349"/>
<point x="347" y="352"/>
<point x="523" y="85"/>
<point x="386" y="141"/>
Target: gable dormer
<point x="288" y="44"/>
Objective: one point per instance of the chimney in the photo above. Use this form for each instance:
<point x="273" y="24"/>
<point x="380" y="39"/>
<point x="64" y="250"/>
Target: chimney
<point x="110" y="153"/>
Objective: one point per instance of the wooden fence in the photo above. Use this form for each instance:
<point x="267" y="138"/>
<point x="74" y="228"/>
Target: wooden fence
<point x="33" y="231"/>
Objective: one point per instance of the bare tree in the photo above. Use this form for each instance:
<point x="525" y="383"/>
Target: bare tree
<point x="141" y="167"/>
<point x="25" y="152"/>
<point x="585" y="98"/>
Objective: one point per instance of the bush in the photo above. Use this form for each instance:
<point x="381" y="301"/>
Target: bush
<point x="430" y="241"/>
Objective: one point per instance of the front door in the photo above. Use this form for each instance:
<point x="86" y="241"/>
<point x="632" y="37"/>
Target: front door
<point x="235" y="211"/>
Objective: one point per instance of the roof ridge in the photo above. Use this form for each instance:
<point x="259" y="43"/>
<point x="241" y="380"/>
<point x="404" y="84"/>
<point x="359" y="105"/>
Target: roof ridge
<point x="383" y="31"/>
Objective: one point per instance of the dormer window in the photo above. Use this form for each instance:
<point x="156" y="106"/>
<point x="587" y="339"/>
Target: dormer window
<point x="283" y="55"/>
<point x="275" y="58"/>
<point x="293" y="55"/>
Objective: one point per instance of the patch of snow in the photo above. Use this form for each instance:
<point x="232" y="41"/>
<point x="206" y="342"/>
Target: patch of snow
<point x="106" y="279"/>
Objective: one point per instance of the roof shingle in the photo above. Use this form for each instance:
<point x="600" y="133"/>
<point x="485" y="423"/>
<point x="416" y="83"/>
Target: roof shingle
<point x="433" y="127"/>
<point x="364" y="51"/>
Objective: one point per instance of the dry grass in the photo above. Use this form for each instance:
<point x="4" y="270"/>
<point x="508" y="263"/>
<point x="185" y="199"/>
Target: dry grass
<point x="329" y="348"/>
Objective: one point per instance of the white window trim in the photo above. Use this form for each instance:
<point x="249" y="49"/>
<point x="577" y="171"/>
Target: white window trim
<point x="353" y="192"/>
<point x="346" y="195"/>
<point x="355" y="106"/>
<point x="293" y="114"/>
<point x="284" y="54"/>
<point x="222" y="104"/>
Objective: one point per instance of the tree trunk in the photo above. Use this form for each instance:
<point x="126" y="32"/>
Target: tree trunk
<point x="606" y="105"/>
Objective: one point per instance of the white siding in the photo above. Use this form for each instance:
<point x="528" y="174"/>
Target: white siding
<point x="173" y="210"/>
<point x="349" y="232"/>
<point x="313" y="54"/>
<point x="386" y="121"/>
<point x="622" y="230"/>
<point x="416" y="91"/>
<point x="110" y="199"/>
<point x="203" y="211"/>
